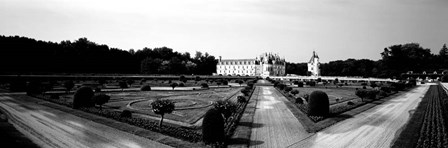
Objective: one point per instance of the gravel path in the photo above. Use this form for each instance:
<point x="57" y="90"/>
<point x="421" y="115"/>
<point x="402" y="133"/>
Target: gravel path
<point x="274" y="125"/>
<point x="373" y="128"/>
<point x="53" y="128"/>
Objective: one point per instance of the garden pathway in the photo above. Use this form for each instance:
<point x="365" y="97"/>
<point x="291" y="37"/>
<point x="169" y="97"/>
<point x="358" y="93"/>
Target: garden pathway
<point x="375" y="128"/>
<point x="274" y="124"/>
<point x="48" y="127"/>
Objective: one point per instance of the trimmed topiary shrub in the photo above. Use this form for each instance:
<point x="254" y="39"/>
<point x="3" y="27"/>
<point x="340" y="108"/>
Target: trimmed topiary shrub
<point x="288" y="89"/>
<point x="300" y="84"/>
<point x="204" y="85"/>
<point x="361" y="93"/>
<point x="241" y="99"/>
<point x="83" y="98"/>
<point x="299" y="100"/>
<point x="295" y="92"/>
<point x="123" y="85"/>
<point x="319" y="104"/>
<point x="162" y="107"/>
<point x="245" y="91"/>
<point x="281" y="86"/>
<point x="213" y="127"/>
<point x="174" y="85"/>
<point x="445" y="78"/>
<point x="126" y="114"/>
<point x="350" y="103"/>
<point x="101" y="99"/>
<point x="69" y="85"/>
<point x="183" y="79"/>
<point x="227" y="108"/>
<point x="145" y="88"/>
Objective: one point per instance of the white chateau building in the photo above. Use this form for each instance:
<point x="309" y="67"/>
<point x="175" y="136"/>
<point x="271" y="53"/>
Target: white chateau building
<point x="266" y="65"/>
<point x="313" y="65"/>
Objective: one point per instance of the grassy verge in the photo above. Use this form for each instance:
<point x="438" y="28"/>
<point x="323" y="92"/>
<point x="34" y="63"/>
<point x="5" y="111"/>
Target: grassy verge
<point x="338" y="112"/>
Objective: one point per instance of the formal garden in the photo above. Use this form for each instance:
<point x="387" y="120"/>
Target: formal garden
<point x="181" y="108"/>
<point x="320" y="100"/>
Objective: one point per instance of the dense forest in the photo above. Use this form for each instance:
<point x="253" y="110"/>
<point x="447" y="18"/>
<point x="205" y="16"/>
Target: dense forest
<point x="396" y="59"/>
<point x="21" y="55"/>
<point x="28" y="56"/>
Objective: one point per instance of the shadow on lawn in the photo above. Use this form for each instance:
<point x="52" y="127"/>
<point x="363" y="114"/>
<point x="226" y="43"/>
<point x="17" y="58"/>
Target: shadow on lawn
<point x="238" y="141"/>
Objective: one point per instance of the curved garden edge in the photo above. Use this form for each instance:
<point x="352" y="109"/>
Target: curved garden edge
<point x="313" y="127"/>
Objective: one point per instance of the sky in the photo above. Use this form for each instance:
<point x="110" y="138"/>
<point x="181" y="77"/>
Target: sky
<point x="233" y="29"/>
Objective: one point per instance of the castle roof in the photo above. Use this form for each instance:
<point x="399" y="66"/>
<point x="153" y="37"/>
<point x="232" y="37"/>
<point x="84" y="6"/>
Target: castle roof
<point x="231" y="60"/>
<point x="312" y="57"/>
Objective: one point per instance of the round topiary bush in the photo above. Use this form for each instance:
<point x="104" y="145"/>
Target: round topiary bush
<point x="350" y="103"/>
<point x="145" y="88"/>
<point x="319" y="104"/>
<point x="241" y="99"/>
<point x="126" y="114"/>
<point x="213" y="127"/>
<point x="445" y="78"/>
<point x="299" y="100"/>
<point x="83" y="98"/>
<point x="101" y="99"/>
<point x="204" y="85"/>
<point x="300" y="84"/>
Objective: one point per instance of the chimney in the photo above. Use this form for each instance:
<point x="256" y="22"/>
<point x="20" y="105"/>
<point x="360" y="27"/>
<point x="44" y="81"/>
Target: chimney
<point x="219" y="58"/>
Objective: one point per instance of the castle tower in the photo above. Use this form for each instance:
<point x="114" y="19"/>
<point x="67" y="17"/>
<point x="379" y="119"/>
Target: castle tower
<point x="313" y="65"/>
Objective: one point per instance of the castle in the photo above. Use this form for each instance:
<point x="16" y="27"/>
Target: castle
<point x="313" y="65"/>
<point x="267" y="64"/>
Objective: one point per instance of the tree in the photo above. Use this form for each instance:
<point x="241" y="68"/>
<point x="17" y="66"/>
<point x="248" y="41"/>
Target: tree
<point x="218" y="82"/>
<point x="183" y="79"/>
<point x="444" y="51"/>
<point x="69" y="85"/>
<point x="227" y="108"/>
<point x="213" y="127"/>
<point x="361" y="93"/>
<point x="240" y="82"/>
<point x="162" y="107"/>
<point x="319" y="104"/>
<point x="130" y="82"/>
<point x="101" y="99"/>
<point x="336" y="81"/>
<point x="173" y="85"/>
<point x="102" y="82"/>
<point x="295" y="92"/>
<point x="83" y="98"/>
<point x="123" y="85"/>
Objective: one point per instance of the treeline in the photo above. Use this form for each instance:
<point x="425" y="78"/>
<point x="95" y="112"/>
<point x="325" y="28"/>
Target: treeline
<point x="29" y="56"/>
<point x="21" y="55"/>
<point x="396" y="60"/>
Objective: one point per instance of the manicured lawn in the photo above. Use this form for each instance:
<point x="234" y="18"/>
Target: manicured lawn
<point x="190" y="105"/>
<point x="343" y="94"/>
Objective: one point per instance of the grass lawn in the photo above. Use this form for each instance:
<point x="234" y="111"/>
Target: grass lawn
<point x="190" y="105"/>
<point x="343" y="94"/>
